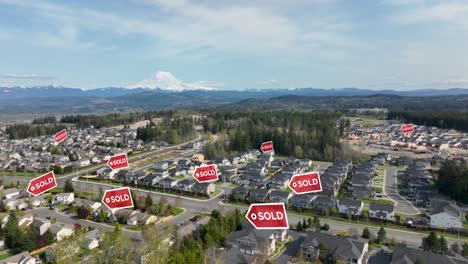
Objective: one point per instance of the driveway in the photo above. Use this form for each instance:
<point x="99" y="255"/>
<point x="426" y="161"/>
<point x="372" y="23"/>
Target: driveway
<point x="390" y="188"/>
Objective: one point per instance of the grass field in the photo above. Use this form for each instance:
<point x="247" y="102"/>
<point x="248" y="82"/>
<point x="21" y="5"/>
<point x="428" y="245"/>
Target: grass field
<point x="368" y="122"/>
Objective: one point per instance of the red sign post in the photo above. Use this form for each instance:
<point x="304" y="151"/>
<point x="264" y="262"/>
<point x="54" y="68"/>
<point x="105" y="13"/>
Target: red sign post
<point x="118" y="162"/>
<point x="60" y="136"/>
<point x="267" y="147"/>
<point x="306" y="183"/>
<point x="407" y="128"/>
<point x="118" y="198"/>
<point x="42" y="184"/>
<point x="268" y="216"/>
<point x="207" y="173"/>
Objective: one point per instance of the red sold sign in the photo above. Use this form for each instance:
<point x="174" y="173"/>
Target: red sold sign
<point x="306" y="183"/>
<point x="118" y="162"/>
<point x="267" y="147"/>
<point x="60" y="136"/>
<point x="268" y="216"/>
<point x="407" y="128"/>
<point x="118" y="198"/>
<point x="207" y="173"/>
<point x="42" y="184"/>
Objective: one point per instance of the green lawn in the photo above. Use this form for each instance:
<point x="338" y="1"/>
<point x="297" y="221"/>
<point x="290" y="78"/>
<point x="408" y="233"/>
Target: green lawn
<point x="180" y="177"/>
<point x="380" y="201"/>
<point x="133" y="228"/>
<point x="177" y="211"/>
<point x="233" y="185"/>
<point x="217" y="191"/>
<point x="378" y="189"/>
<point x="5" y="256"/>
<point x="288" y="190"/>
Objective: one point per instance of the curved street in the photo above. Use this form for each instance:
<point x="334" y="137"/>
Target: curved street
<point x="390" y="188"/>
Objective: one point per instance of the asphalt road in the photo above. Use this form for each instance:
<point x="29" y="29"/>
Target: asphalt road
<point x="390" y="187"/>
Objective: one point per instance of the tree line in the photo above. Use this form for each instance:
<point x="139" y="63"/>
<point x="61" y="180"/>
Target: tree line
<point x="113" y="119"/>
<point x="313" y="135"/>
<point x="447" y="120"/>
<point x="453" y="180"/>
<point x="172" y="131"/>
<point x="19" y="131"/>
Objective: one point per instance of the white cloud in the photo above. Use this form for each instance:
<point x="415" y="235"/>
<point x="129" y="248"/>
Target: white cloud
<point x="166" y="81"/>
<point x="12" y="76"/>
<point x="256" y="28"/>
<point x="269" y="82"/>
<point x="454" y="12"/>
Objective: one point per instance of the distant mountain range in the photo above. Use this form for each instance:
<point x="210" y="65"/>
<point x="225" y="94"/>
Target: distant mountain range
<point x="54" y="91"/>
<point x="62" y="100"/>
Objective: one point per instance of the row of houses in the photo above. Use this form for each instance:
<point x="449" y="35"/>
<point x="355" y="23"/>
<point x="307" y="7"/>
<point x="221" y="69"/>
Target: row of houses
<point x="388" y="133"/>
<point x="82" y="148"/>
<point x="361" y="180"/>
<point x="311" y="201"/>
<point x="251" y="245"/>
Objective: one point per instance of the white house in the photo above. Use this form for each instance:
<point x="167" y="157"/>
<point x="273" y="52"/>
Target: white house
<point x="349" y="206"/>
<point x="11" y="193"/>
<point x="60" y="232"/>
<point x="64" y="198"/>
<point x="381" y="211"/>
<point x="448" y="216"/>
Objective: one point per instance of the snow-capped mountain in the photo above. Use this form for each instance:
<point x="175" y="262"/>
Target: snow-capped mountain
<point x="166" y="81"/>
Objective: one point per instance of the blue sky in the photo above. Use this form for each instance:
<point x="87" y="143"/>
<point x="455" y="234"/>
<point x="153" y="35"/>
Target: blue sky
<point x="376" y="44"/>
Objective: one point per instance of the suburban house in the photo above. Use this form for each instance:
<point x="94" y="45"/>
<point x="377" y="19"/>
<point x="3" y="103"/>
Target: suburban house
<point x="162" y="165"/>
<point x="205" y="188"/>
<point x="163" y="173"/>
<point x="252" y="241"/>
<point x="382" y="211"/>
<point x="280" y="197"/>
<point x="11" y="193"/>
<point x="324" y="204"/>
<point x="41" y="225"/>
<point x="190" y="227"/>
<point x="186" y="184"/>
<point x="448" y="215"/>
<point x="258" y="195"/>
<point x="240" y="193"/>
<point x="280" y="181"/>
<point x="349" y="206"/>
<point x="91" y="239"/>
<point x="403" y="254"/>
<point x="347" y="249"/>
<point x="363" y="192"/>
<point x="302" y="200"/>
<point x="63" y="198"/>
<point x="141" y="219"/>
<point x="61" y="231"/>
<point x="167" y="183"/>
<point x="38" y="200"/>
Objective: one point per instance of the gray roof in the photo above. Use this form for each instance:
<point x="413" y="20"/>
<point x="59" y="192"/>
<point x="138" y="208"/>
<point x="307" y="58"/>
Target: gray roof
<point x="349" y="202"/>
<point x="279" y="194"/>
<point x="448" y="208"/>
<point x="343" y="246"/>
<point x="381" y="207"/>
<point x="402" y="254"/>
